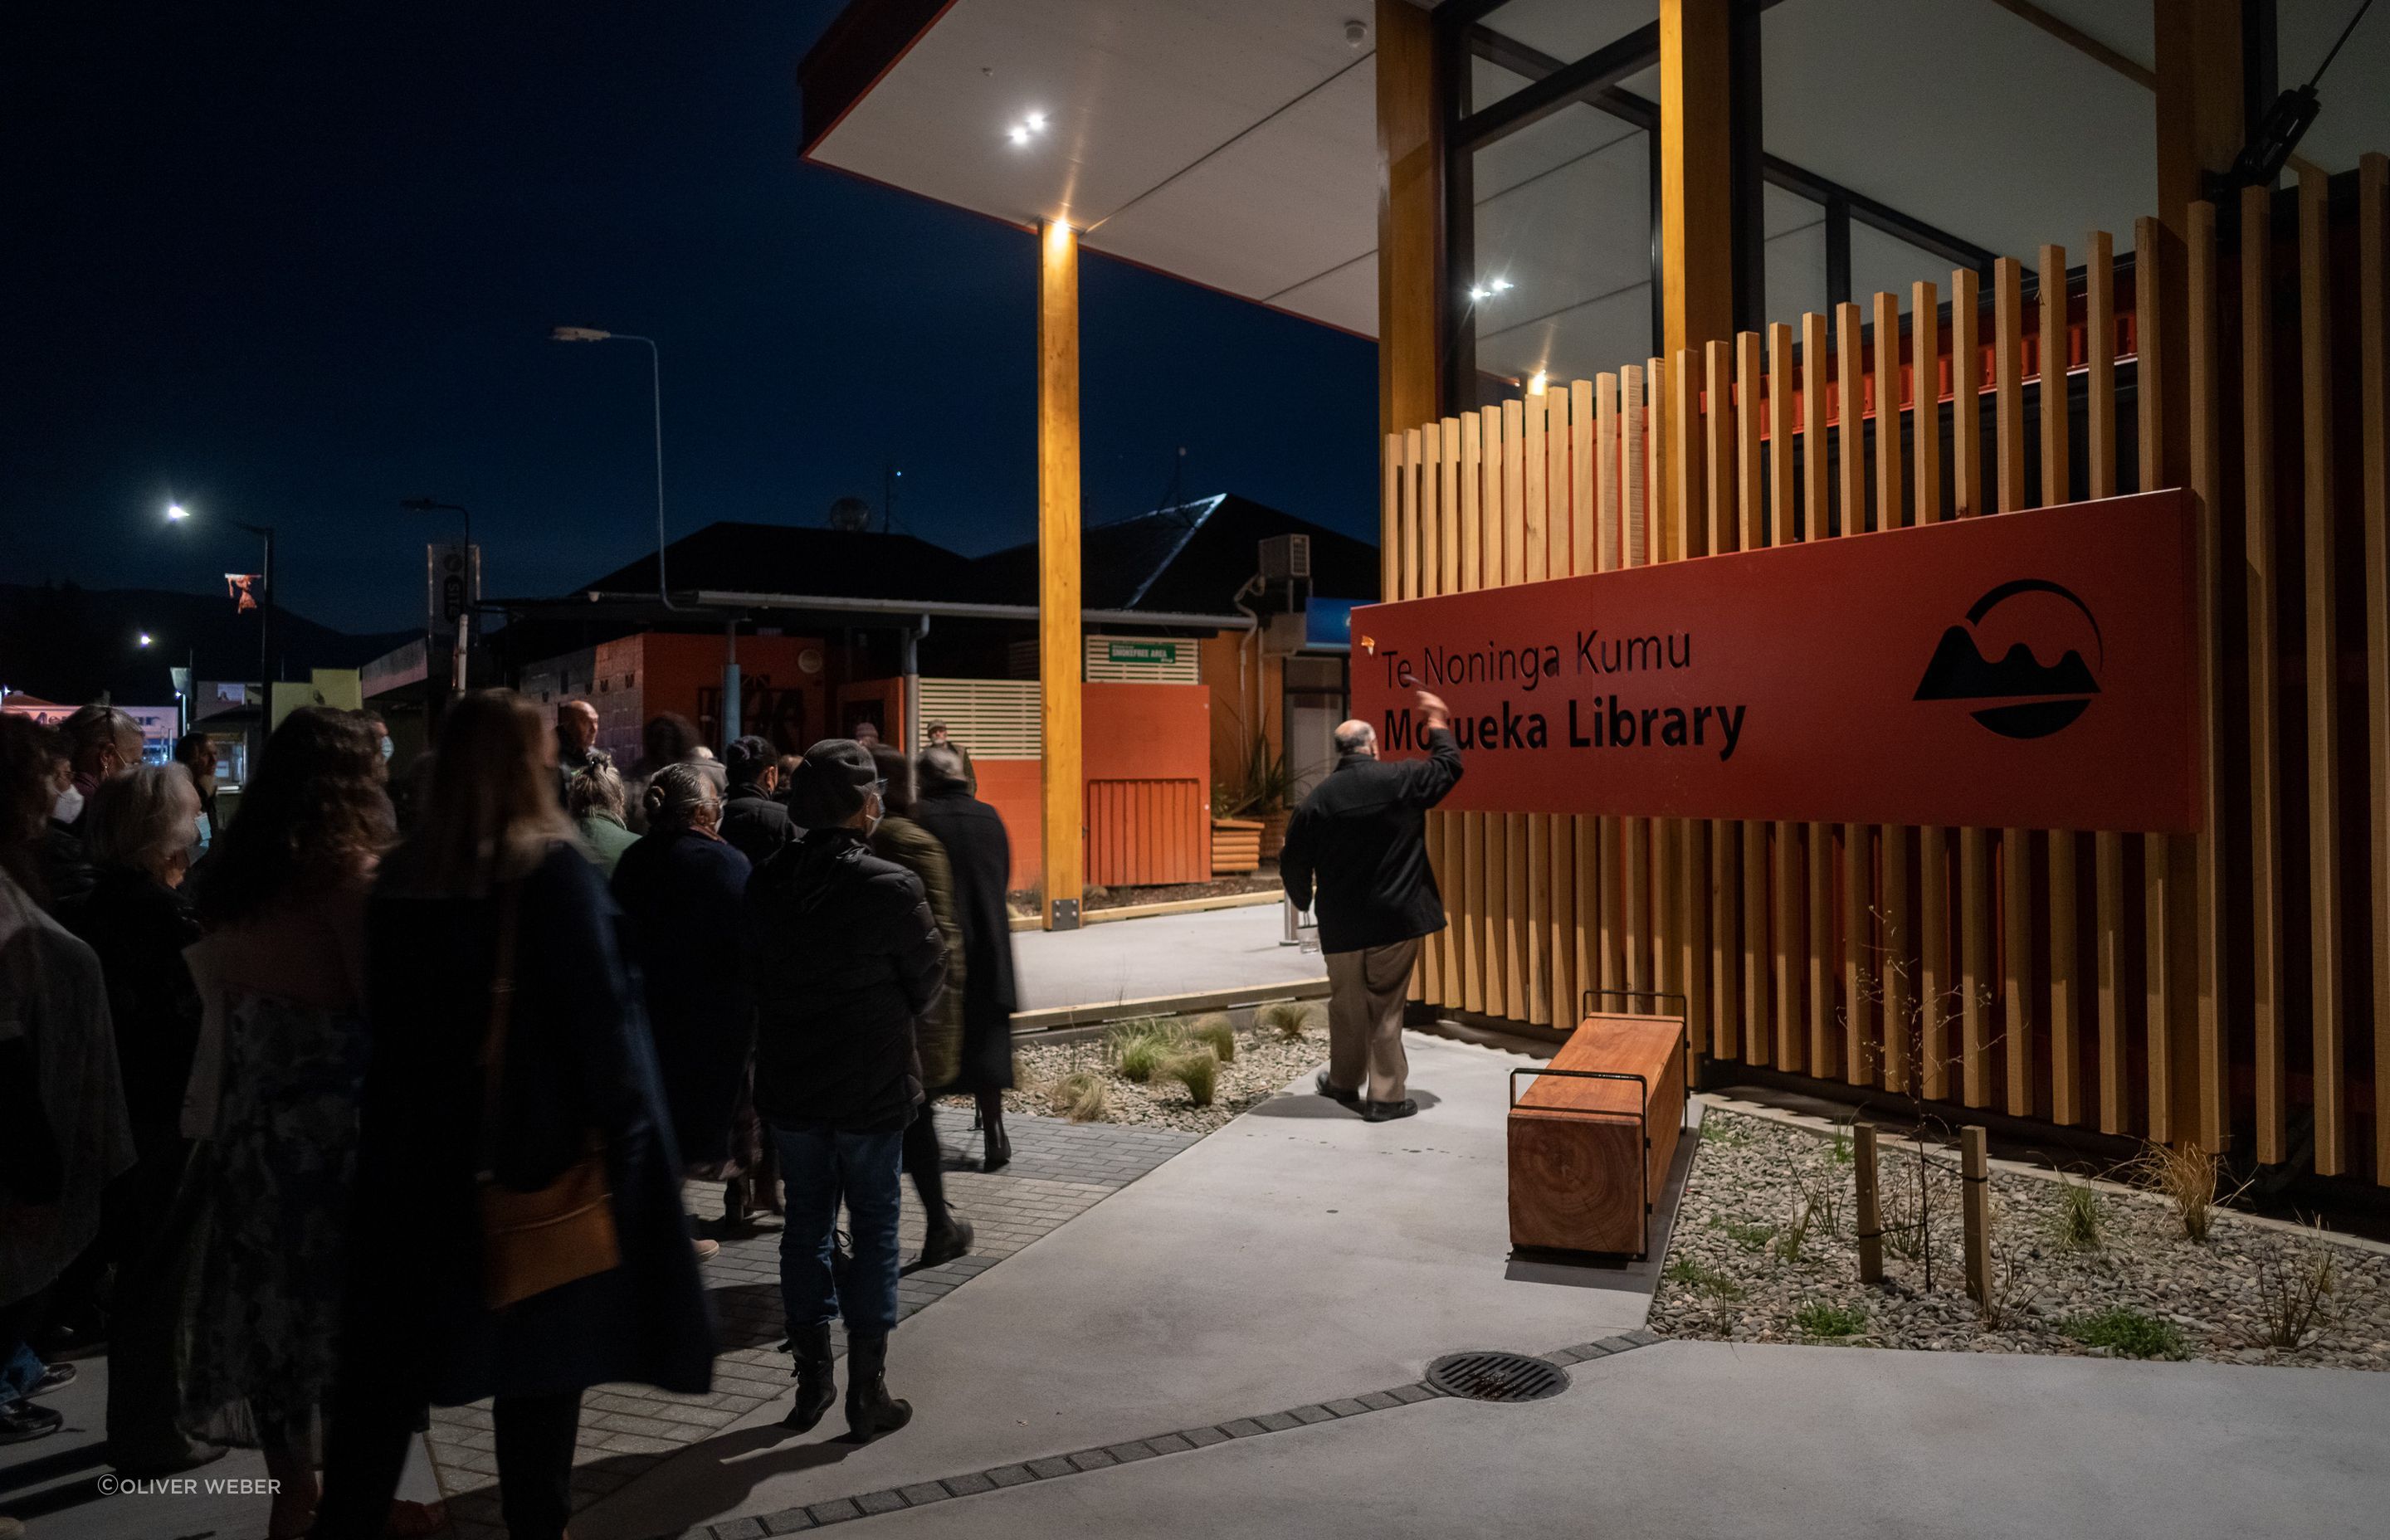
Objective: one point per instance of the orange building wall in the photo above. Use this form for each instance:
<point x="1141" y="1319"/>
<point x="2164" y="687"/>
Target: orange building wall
<point x="1133" y="732"/>
<point x="1230" y="676"/>
<point x="643" y="676"/>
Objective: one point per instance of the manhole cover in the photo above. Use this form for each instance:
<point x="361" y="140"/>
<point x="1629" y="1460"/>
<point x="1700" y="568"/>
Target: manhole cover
<point x="1496" y="1377"/>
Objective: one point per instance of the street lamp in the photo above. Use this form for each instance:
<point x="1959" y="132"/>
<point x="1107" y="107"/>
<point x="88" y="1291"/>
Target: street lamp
<point x="178" y="514"/>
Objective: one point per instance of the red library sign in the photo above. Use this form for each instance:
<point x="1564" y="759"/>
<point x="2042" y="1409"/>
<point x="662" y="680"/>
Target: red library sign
<point x="2030" y="670"/>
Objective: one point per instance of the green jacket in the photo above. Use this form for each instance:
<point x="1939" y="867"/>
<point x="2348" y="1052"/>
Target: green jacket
<point x="607" y="839"/>
<point x="938" y="1033"/>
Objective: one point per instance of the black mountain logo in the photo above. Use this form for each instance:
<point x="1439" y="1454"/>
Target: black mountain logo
<point x="2021" y="695"/>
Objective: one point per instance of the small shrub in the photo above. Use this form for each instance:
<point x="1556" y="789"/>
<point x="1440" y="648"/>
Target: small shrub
<point x="1289" y="1019"/>
<point x="2125" y="1331"/>
<point x="1693" y="1272"/>
<point x="1817" y="1205"/>
<point x="1841" y="1148"/>
<point x="1817" y="1318"/>
<point x="2186" y="1176"/>
<point x="1217" y="1034"/>
<point x="1136" y="1048"/>
<point x="2081" y="1226"/>
<point x="2298" y="1285"/>
<point x="1199" y="1072"/>
<point x="1082" y="1096"/>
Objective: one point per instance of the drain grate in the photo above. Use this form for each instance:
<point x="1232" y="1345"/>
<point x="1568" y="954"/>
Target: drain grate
<point x="1496" y="1377"/>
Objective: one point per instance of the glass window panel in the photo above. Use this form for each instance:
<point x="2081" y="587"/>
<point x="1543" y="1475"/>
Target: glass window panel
<point x="1880" y="261"/>
<point x="1568" y="29"/>
<point x="2355" y="92"/>
<point x="1563" y="248"/>
<point x="1795" y="257"/>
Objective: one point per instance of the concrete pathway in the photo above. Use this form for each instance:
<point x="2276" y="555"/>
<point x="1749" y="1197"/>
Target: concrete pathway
<point x="1297" y="1256"/>
<point x="1137" y="959"/>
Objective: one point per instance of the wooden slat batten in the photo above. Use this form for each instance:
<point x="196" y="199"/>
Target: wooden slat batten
<point x="1586" y="908"/>
<point x="1787" y="948"/>
<point x="2016" y="1021"/>
<point x="1758" y="951"/>
<point x="1610" y="921"/>
<point x="2107" y="846"/>
<point x="1858" y="846"/>
<point x="1688" y="503"/>
<point x="1561" y="829"/>
<point x="1973" y="942"/>
<point x="1891" y="987"/>
<point x="1536" y="828"/>
<point x="1934" y="963"/>
<point x="2260" y="579"/>
<point x="2373" y="427"/>
<point x="1517" y="950"/>
<point x="1494" y="842"/>
<point x="1635" y="521"/>
<point x="1725" y="838"/>
<point x="1658" y="544"/>
<point x="1426" y="480"/>
<point x="2209" y="939"/>
<point x="2065" y="1095"/>
<point x="1471" y="548"/>
<point x="2326" y="1000"/>
<point x="1453" y="834"/>
<point x="1818" y="963"/>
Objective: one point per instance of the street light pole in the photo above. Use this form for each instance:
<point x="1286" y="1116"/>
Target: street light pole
<point x="463" y="645"/>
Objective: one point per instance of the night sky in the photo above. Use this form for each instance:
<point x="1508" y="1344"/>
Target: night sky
<point x="288" y="264"/>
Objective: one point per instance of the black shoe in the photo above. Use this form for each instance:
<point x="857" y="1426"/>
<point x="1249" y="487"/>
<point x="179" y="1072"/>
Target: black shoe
<point x="1387" y="1111"/>
<point x="54" y="1376"/>
<point x="945" y="1243"/>
<point x="21" y="1422"/>
<point x="998" y="1151"/>
<point x="1341" y="1098"/>
<point x="870" y="1410"/>
<point x="734" y="1203"/>
<point x="816" y="1382"/>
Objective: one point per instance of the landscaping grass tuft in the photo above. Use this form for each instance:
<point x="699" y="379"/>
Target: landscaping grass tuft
<point x="1817" y="1318"/>
<point x="1289" y="1019"/>
<point x="1137" y="1048"/>
<point x="1082" y="1096"/>
<point x="1199" y="1072"/>
<point x="2081" y="1226"/>
<point x="1216" y="1032"/>
<point x="2126" y="1331"/>
<point x="1751" y="1237"/>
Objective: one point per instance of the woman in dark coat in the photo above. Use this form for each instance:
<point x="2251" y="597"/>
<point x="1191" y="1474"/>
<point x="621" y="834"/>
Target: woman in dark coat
<point x="680" y="887"/>
<point x="577" y="1073"/>
<point x="981" y="858"/>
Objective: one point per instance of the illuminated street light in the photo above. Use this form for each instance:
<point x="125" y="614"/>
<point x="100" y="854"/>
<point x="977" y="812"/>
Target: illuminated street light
<point x="145" y="638"/>
<point x="176" y="513"/>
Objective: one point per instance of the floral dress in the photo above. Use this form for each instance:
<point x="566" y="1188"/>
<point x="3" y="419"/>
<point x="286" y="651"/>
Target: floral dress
<point x="273" y="1190"/>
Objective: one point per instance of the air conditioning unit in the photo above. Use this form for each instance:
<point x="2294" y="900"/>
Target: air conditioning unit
<point x="1285" y="558"/>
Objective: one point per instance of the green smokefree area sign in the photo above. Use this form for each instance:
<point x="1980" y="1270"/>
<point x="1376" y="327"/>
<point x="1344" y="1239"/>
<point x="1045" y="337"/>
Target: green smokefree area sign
<point x="1143" y="652"/>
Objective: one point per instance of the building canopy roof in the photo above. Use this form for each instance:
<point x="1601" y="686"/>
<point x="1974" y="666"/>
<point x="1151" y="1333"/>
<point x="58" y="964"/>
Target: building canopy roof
<point x="1192" y="558"/>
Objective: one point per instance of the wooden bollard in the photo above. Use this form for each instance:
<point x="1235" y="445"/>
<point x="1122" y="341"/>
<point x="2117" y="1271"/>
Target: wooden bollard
<point x="1870" y="1203"/>
<point x="1975" y="1211"/>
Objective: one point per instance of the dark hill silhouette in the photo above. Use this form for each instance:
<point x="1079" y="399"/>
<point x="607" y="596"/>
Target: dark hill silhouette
<point x="1959" y="671"/>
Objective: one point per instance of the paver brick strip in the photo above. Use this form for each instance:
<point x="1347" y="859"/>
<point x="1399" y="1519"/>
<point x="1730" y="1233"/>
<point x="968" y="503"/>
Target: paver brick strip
<point x="788" y="1523"/>
<point x="970" y="1485"/>
<point x="833" y="1511"/>
<point x="1010" y="1475"/>
<point x="1091" y="1459"/>
<point x="1051" y="1466"/>
<point x="1244" y="1427"/>
<point x="739" y="1529"/>
<point x="1312" y="1414"/>
<point x="1278" y="1423"/>
<point x="923" y="1492"/>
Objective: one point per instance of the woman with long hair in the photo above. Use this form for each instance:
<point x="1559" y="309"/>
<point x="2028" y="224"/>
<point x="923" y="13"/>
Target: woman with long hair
<point x="511" y="1082"/>
<point x="276" y="1086"/>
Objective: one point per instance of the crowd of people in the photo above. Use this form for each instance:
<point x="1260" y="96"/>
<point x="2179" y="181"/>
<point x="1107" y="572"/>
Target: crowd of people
<point x="372" y="1098"/>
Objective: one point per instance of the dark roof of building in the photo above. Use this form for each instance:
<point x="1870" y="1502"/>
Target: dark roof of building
<point x="794" y="558"/>
<point x="1192" y="558"/>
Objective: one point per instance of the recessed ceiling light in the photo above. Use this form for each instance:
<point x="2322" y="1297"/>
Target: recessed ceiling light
<point x="1478" y="292"/>
<point x="1019" y="135"/>
<point x="1501" y="285"/>
<point x="1035" y="123"/>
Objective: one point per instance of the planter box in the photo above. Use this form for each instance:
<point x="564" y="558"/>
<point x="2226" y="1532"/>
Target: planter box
<point x="1236" y="846"/>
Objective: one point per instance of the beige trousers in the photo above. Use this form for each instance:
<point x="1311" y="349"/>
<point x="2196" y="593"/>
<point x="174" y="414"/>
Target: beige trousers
<point x="1365" y="1019"/>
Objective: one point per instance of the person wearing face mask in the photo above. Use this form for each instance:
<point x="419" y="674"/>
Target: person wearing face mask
<point x="66" y="872"/>
<point x="102" y="742"/>
<point x="680" y="888"/>
<point x="846" y="958"/>
<point x="139" y="922"/>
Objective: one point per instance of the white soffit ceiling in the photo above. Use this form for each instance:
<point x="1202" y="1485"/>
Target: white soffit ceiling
<point x="1229" y="141"/>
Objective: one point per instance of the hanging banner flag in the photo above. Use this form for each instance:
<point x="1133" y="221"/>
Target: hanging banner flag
<point x="2031" y="670"/>
<point x="244" y="588"/>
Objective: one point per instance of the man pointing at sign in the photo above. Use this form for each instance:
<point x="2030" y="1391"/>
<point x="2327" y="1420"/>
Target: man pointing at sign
<point x="1361" y="837"/>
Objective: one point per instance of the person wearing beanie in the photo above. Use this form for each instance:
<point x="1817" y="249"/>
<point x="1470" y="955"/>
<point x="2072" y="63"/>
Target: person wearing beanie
<point x="753" y="822"/>
<point x="845" y="957"/>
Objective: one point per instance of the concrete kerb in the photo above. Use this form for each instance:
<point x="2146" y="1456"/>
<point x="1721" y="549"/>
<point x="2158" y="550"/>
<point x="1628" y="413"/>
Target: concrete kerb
<point x="1034" y="1023"/>
<point x="1827" y="1128"/>
<point x="1175" y="907"/>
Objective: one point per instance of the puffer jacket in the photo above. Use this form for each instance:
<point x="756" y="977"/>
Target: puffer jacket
<point x="844" y="957"/>
<point x="939" y="1035"/>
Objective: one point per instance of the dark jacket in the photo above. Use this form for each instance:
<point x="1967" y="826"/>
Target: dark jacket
<point x="981" y="857"/>
<point x="67" y="872"/>
<point x="844" y="955"/>
<point x="1361" y="839"/>
<point x="680" y="894"/>
<point x="578" y="1064"/>
<point x="756" y="825"/>
<point x="139" y="926"/>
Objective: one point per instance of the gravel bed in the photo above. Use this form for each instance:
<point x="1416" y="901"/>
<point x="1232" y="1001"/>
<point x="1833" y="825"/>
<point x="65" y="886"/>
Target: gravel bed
<point x="1728" y="1279"/>
<point x="1265" y="1062"/>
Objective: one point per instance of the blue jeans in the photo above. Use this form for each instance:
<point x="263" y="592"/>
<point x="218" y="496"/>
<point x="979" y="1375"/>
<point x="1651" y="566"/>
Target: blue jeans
<point x="821" y="1166"/>
<point x="18" y="1369"/>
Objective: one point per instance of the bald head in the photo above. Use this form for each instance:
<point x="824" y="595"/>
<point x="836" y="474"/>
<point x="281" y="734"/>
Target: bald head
<point x="1355" y="738"/>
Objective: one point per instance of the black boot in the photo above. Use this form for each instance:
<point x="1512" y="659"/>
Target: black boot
<point x="946" y="1241"/>
<point x="816" y="1388"/>
<point x="870" y="1410"/>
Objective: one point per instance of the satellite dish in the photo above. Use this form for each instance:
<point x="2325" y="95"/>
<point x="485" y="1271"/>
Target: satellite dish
<point x="851" y="514"/>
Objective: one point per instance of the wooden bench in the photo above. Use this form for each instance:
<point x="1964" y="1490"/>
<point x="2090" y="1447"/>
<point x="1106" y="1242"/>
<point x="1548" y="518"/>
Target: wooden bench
<point x="1591" y="1138"/>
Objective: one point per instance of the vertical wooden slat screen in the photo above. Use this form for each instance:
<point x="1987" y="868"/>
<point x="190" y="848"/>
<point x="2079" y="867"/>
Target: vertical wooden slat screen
<point x="1495" y="850"/>
<point x="2162" y="896"/>
<point x="2208" y="937"/>
<point x="1427" y="478"/>
<point x="1471" y="545"/>
<point x="1454" y="831"/>
<point x="1934" y="965"/>
<point x="1516" y="932"/>
<point x="1560" y="829"/>
<point x="1635" y="515"/>
<point x="1659" y="546"/>
<point x="1537" y="827"/>
<point x="1758" y="879"/>
<point x="1610" y="927"/>
<point x="1789" y="947"/>
<point x="1584" y="521"/>
<point x="1891" y="986"/>
<point x="2373" y="405"/>
<point x="2325" y="1001"/>
<point x="2016" y="1018"/>
<point x="2065" y="1098"/>
<point x="1817" y="856"/>
<point x="2265" y="896"/>
<point x="1858" y="848"/>
<point x="1725" y="853"/>
<point x="1690" y="916"/>
<point x="2107" y="846"/>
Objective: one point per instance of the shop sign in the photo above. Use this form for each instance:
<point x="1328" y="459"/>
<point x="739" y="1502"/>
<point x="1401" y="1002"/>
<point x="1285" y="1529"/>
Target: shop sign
<point x="1163" y="653"/>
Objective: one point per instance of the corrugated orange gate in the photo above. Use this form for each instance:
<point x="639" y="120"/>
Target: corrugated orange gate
<point x="1146" y="831"/>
